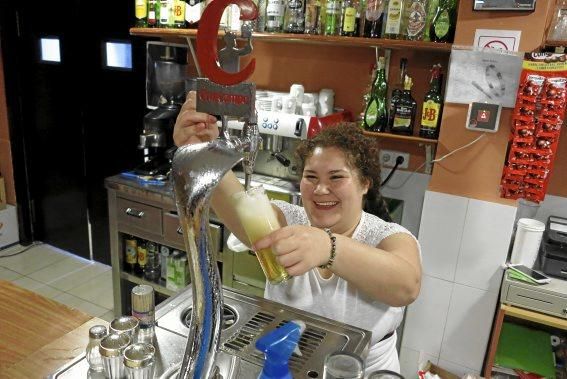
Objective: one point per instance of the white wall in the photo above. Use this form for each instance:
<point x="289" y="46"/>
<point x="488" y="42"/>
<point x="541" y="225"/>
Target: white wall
<point x="8" y="226"/>
<point x="464" y="242"/>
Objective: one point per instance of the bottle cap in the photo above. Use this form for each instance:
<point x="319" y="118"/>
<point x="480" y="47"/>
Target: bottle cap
<point x="97" y="331"/>
<point x="143" y="300"/>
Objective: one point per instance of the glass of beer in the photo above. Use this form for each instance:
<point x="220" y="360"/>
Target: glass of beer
<point x="259" y="219"/>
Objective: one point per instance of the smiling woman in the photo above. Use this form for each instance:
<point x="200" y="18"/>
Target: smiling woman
<point x="371" y="268"/>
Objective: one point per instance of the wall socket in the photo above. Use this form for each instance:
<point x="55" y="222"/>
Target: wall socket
<point x="388" y="158"/>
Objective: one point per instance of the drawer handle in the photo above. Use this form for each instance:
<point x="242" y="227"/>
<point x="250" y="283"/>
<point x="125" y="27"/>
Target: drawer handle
<point x="565" y="311"/>
<point x="134" y="213"/>
<point x="180" y="230"/>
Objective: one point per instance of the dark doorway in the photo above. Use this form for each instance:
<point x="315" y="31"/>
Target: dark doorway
<point x="74" y="122"/>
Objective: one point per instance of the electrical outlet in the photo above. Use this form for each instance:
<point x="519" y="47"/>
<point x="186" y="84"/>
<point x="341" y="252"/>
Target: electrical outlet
<point x="388" y="158"/>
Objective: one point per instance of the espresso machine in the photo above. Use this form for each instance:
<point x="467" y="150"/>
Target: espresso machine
<point x="166" y="89"/>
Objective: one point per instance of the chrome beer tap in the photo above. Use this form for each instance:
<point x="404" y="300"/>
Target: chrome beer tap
<point x="196" y="171"/>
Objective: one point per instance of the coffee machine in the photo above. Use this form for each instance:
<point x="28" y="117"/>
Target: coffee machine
<point x="166" y="89"/>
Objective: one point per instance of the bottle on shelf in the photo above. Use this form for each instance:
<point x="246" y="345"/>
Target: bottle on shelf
<point x="153" y="13"/>
<point x="442" y="28"/>
<point x="432" y="103"/>
<point x="414" y="20"/>
<point x="179" y="14"/>
<point x="130" y="253"/>
<point x="393" y="25"/>
<point x="349" y="22"/>
<point x="431" y="10"/>
<point x="142" y="257"/>
<point x="165" y="13"/>
<point x="260" y="23"/>
<point x="294" y="18"/>
<point x="332" y="17"/>
<point x="376" y="115"/>
<point x="141" y="12"/>
<point x="397" y="91"/>
<point x="164" y="252"/>
<point x="404" y="111"/>
<point x="313" y="17"/>
<point x="274" y="15"/>
<point x="373" y="18"/>
<point x="193" y="12"/>
<point x="152" y="270"/>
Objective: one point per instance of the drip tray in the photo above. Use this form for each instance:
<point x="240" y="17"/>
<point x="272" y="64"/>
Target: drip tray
<point x="250" y="317"/>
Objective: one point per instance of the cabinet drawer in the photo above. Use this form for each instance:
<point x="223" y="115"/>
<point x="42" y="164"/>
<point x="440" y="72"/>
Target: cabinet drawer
<point x="138" y="215"/>
<point x="538" y="301"/>
<point x="246" y="269"/>
<point x="173" y="233"/>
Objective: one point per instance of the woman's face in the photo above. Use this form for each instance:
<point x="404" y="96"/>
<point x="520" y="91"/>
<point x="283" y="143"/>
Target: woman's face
<point x="332" y="191"/>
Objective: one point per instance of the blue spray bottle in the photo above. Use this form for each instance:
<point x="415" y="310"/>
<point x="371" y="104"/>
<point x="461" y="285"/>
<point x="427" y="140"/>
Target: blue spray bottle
<point x="277" y="346"/>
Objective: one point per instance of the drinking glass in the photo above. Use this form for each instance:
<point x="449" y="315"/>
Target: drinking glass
<point x="343" y="365"/>
<point x="259" y="219"/>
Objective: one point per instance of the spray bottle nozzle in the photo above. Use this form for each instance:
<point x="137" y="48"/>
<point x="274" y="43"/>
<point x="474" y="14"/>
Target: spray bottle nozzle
<point x="277" y="346"/>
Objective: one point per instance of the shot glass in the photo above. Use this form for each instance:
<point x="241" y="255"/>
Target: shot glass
<point x="139" y="361"/>
<point x="343" y="365"/>
<point x="111" y="350"/>
<point x="258" y="219"/>
<point x="126" y="324"/>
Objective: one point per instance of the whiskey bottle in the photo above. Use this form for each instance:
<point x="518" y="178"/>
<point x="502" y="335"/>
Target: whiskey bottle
<point x="294" y="18"/>
<point x="442" y="27"/>
<point x="141" y="10"/>
<point x="393" y="24"/>
<point x="274" y="15"/>
<point x="152" y="13"/>
<point x="404" y="111"/>
<point x="415" y="17"/>
<point x="397" y="91"/>
<point x="431" y="110"/>
<point x="348" y="19"/>
<point x="193" y="12"/>
<point x="179" y="14"/>
<point x="376" y="115"/>
<point x="313" y="17"/>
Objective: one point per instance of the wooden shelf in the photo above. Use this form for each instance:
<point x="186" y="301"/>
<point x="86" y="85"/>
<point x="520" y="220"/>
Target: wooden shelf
<point x="307" y="39"/>
<point x="158" y="287"/>
<point x="402" y="137"/>
<point x="555" y="43"/>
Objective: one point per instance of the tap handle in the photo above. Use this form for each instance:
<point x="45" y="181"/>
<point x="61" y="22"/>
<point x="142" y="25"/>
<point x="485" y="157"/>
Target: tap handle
<point x="224" y="128"/>
<point x="282" y="159"/>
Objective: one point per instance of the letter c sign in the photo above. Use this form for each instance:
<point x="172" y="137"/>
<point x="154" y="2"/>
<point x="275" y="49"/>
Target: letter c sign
<point x="207" y="37"/>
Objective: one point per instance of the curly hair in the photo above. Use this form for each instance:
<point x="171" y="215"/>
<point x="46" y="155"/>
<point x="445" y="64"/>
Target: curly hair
<point x="362" y="155"/>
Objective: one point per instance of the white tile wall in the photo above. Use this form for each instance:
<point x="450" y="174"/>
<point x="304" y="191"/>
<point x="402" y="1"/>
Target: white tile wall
<point x="426" y="317"/>
<point x="468" y="326"/>
<point x="464" y="241"/>
<point x="484" y="246"/>
<point x="412" y="360"/>
<point x="440" y="233"/>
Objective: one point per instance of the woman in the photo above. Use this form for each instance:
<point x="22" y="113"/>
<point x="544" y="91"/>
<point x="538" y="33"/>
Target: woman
<point x="371" y="268"/>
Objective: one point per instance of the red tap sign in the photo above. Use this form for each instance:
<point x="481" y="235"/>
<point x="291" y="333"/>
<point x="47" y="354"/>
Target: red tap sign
<point x="207" y="37"/>
<point x="222" y="92"/>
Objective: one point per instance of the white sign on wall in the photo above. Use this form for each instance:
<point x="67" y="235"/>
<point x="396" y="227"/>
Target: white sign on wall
<point x="497" y="39"/>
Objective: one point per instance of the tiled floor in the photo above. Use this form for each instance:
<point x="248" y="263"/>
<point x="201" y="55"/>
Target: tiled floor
<point x="61" y="276"/>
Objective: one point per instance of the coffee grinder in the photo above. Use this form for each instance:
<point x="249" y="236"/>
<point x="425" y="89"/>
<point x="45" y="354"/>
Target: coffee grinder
<point x="167" y="73"/>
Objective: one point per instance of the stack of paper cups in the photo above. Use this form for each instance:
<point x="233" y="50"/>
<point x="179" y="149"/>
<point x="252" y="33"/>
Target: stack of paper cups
<point x="526" y="244"/>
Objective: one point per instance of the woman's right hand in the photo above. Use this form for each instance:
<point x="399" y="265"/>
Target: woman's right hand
<point x="194" y="127"/>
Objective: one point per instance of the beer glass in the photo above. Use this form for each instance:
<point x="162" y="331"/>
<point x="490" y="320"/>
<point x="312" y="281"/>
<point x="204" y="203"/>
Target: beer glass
<point x="259" y="219"/>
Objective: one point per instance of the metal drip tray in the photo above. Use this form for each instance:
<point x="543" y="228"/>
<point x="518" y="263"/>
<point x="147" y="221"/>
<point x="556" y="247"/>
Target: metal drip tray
<point x="255" y="316"/>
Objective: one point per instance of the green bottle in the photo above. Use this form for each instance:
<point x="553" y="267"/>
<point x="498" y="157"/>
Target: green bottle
<point x="141" y="10"/>
<point x="442" y="28"/>
<point x="332" y="17"/>
<point x="431" y="109"/>
<point x="376" y="115"/>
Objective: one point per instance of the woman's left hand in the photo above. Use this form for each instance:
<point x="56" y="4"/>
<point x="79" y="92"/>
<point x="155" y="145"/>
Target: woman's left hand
<point x="298" y="248"/>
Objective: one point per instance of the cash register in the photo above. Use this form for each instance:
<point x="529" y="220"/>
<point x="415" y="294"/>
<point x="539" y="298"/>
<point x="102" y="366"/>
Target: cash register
<point x="553" y="248"/>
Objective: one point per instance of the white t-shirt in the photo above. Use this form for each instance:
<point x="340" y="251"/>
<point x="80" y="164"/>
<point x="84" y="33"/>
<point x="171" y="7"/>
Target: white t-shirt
<point x="338" y="299"/>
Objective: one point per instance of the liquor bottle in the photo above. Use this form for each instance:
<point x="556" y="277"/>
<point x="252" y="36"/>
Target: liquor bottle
<point x="373" y="18"/>
<point x="375" y="115"/>
<point x="165" y="13"/>
<point x="141" y="11"/>
<point x="348" y="19"/>
<point x="274" y="16"/>
<point x="152" y="13"/>
<point x="193" y="12"/>
<point x="415" y="17"/>
<point x="313" y="17"/>
<point x="431" y="10"/>
<point x="332" y="17"/>
<point x="142" y="257"/>
<point x="130" y="253"/>
<point x="179" y="14"/>
<point x="397" y="91"/>
<point x="404" y="112"/>
<point x="260" y="23"/>
<point x="294" y="19"/>
<point x="442" y="27"/>
<point x="393" y="27"/>
<point x="431" y="110"/>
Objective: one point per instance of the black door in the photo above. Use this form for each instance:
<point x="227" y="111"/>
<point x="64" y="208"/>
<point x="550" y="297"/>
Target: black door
<point x="79" y="120"/>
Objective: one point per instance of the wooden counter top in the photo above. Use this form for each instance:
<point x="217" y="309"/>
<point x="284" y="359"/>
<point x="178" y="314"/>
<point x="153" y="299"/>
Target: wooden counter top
<point x="38" y="335"/>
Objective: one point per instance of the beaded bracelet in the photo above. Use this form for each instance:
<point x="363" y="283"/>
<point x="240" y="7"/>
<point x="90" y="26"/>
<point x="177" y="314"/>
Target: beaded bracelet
<point x="333" y="249"/>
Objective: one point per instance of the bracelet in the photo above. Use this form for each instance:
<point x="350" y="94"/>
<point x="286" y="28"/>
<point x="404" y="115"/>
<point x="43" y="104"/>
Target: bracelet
<point x="333" y="253"/>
